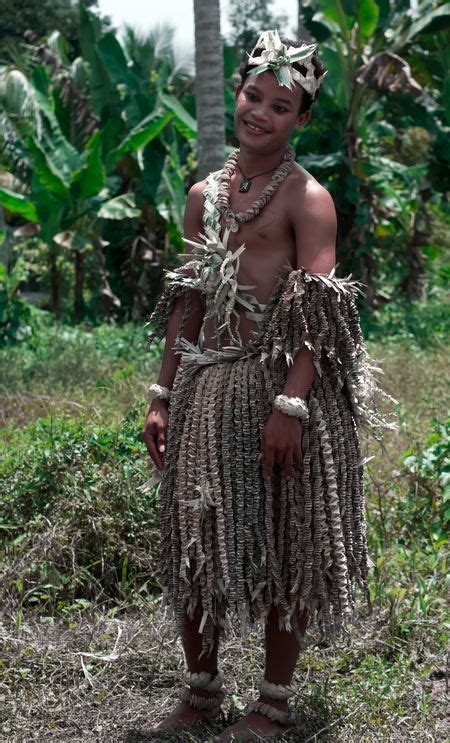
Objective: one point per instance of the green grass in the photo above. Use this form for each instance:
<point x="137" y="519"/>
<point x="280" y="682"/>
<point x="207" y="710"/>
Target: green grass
<point x="96" y="373"/>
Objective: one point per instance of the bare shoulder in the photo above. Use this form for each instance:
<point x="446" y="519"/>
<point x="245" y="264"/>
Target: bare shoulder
<point x="193" y="214"/>
<point x="195" y="196"/>
<point x="308" y="199"/>
<point x="313" y="218"/>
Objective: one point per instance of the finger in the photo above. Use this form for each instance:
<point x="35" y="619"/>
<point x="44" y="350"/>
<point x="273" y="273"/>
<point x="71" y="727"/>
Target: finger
<point x="162" y="440"/>
<point x="155" y="455"/>
<point x="150" y="442"/>
<point x="298" y="456"/>
<point x="287" y="465"/>
<point x="279" y="457"/>
<point x="268" y="458"/>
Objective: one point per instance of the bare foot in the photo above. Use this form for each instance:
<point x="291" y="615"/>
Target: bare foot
<point x="253" y="726"/>
<point x="181" y="717"/>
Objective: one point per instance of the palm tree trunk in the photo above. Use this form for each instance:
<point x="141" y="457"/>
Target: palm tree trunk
<point x="209" y="86"/>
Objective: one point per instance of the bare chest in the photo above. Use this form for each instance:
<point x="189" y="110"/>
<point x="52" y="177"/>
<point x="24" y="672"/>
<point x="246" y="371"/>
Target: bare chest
<point x="269" y="239"/>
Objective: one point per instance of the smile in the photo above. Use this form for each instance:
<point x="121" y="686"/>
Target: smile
<point x="254" y="128"/>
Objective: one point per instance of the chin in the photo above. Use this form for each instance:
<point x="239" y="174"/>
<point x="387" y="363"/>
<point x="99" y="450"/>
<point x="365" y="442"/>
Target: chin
<point x="252" y="141"/>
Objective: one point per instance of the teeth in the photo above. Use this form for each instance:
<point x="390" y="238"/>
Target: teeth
<point x="255" y="128"/>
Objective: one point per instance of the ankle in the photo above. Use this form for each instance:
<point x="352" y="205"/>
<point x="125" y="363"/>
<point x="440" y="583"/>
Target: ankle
<point x="206" y="705"/>
<point x="273" y="702"/>
<point x="281" y="704"/>
<point x="202" y="692"/>
<point x="204" y="681"/>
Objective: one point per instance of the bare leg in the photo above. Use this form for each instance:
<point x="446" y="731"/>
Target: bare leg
<point x="282" y="648"/>
<point x="282" y="651"/>
<point x="183" y="715"/>
<point x="192" y="645"/>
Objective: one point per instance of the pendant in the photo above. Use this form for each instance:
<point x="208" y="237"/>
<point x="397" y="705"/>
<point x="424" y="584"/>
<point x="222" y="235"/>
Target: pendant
<point x="245" y="185"/>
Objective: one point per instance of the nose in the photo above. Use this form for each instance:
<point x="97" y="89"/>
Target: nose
<point x="259" y="112"/>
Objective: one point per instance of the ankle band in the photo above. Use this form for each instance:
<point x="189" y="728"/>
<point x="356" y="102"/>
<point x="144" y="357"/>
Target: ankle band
<point x="284" y="718"/>
<point x="204" y="680"/>
<point x="201" y="703"/>
<point x="276" y="691"/>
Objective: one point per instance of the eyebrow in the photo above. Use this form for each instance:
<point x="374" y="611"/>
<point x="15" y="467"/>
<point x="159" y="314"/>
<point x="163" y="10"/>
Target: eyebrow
<point x="282" y="100"/>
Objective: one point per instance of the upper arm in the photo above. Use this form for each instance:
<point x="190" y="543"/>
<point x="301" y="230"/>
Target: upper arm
<point x="315" y="228"/>
<point x="192" y="229"/>
<point x="193" y="215"/>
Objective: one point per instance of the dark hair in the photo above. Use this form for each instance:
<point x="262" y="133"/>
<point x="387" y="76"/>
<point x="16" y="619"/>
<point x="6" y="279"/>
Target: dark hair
<point x="319" y="69"/>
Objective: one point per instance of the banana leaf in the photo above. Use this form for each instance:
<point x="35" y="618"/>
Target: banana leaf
<point x="141" y="135"/>
<point x="92" y="177"/>
<point x="18" y="204"/>
<point x="121" y="207"/>
<point x="185" y="123"/>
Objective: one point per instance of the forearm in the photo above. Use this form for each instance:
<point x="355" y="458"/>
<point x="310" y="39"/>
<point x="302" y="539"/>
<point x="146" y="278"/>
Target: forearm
<point x="301" y="374"/>
<point x="191" y="330"/>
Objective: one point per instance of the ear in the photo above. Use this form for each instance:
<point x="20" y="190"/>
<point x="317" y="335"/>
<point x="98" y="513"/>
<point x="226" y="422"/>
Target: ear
<point x="303" y="119"/>
<point x="237" y="92"/>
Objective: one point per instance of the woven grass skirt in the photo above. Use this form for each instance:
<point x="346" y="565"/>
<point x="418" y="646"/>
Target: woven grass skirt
<point x="234" y="541"/>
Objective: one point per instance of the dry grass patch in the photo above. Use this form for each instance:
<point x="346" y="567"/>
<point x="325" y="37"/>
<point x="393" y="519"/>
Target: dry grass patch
<point x="106" y="678"/>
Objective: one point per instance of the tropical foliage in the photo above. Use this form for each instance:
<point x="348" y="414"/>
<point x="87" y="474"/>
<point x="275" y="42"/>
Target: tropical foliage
<point x="248" y="18"/>
<point x="98" y="152"/>
<point x="32" y="20"/>
<point x="100" y="139"/>
<point x="383" y="155"/>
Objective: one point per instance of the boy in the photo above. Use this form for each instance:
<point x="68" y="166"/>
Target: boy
<point x="262" y="508"/>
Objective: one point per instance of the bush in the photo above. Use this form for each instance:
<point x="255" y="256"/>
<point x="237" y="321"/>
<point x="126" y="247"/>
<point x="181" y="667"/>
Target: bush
<point x="428" y="471"/>
<point x="408" y="537"/>
<point x="64" y="356"/>
<point x="15" y="313"/>
<point x="78" y="524"/>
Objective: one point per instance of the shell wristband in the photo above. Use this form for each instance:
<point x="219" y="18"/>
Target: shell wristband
<point x="158" y="391"/>
<point x="292" y="406"/>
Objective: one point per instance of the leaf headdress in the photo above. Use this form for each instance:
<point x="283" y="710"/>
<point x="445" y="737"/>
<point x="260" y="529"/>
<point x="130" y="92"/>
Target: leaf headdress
<point x="270" y="53"/>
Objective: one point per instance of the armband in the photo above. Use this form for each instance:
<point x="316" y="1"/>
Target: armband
<point x="292" y="406"/>
<point x="158" y="391"/>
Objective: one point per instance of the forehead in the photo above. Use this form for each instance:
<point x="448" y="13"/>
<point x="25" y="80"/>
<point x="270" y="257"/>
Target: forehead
<point x="267" y="84"/>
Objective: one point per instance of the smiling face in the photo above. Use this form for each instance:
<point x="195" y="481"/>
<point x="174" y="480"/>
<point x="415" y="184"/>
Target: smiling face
<point x="267" y="113"/>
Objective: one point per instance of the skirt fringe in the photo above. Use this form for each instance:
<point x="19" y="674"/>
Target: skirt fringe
<point x="234" y="541"/>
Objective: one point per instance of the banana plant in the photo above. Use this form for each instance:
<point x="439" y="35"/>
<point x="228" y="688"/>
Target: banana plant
<point x="91" y="145"/>
<point x="151" y="135"/>
<point x="371" y="48"/>
<point x="66" y="191"/>
<point x="136" y="90"/>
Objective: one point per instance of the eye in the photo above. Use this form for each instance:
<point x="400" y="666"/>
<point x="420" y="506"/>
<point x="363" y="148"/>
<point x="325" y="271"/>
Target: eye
<point x="250" y="96"/>
<point x="280" y="109"/>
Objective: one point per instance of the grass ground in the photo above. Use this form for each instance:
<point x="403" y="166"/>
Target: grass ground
<point x="104" y="678"/>
<point x="88" y="654"/>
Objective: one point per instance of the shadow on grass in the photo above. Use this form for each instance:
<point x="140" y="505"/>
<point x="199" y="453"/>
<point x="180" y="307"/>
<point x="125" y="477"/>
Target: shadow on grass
<point x="317" y="716"/>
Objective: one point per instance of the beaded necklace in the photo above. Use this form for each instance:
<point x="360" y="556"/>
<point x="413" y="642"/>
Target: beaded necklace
<point x="234" y="220"/>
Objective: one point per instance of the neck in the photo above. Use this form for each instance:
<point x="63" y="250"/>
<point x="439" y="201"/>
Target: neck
<point x="253" y="162"/>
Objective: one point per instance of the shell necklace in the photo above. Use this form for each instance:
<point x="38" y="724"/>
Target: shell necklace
<point x="234" y="220"/>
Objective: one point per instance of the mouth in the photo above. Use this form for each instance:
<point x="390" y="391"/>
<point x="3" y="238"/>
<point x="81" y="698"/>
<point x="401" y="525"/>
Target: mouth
<point x="253" y="128"/>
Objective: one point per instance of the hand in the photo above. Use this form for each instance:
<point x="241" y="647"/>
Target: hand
<point x="155" y="430"/>
<point x="281" y="443"/>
